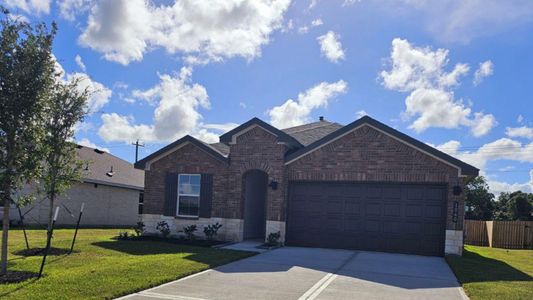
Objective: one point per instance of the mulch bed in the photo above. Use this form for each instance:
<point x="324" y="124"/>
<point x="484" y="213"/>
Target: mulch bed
<point x="40" y="251"/>
<point x="17" y="276"/>
<point x="198" y="243"/>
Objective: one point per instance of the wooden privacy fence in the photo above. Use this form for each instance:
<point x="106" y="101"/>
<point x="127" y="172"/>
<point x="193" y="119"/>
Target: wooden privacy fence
<point x="499" y="234"/>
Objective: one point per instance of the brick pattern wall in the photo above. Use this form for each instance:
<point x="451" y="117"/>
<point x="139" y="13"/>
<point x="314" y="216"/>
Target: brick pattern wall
<point x="367" y="154"/>
<point x="257" y="149"/>
<point x="188" y="159"/>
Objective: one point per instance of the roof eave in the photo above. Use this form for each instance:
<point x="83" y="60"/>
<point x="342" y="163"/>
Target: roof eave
<point x="464" y="168"/>
<point x="141" y="164"/>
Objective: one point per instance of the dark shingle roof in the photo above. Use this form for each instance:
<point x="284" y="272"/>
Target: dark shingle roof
<point x="221" y="147"/>
<point x="308" y="133"/>
<point x="97" y="163"/>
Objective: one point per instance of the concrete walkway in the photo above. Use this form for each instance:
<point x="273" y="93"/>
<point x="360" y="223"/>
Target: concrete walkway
<point x="310" y="273"/>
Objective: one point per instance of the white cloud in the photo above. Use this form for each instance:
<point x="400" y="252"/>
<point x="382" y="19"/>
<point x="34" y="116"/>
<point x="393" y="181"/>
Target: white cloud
<point x="85" y="142"/>
<point x="462" y="21"/>
<point x="501" y="149"/>
<point x="225" y="127"/>
<point x="303" y="29"/>
<point x="350" y="2"/>
<point x="331" y="47"/>
<point x="312" y="4"/>
<point x="498" y="187"/>
<point x="30" y="6"/>
<point x="80" y="63"/>
<point x="361" y="114"/>
<point x="485" y="69"/>
<point x="524" y="132"/>
<point x="99" y="95"/>
<point x="69" y="9"/>
<point x="293" y="113"/>
<point x="421" y="72"/>
<point x="317" y="22"/>
<point x="123" y="30"/>
<point x="177" y="101"/>
<point x="288" y="26"/>
<point x="242" y="105"/>
<point x="520" y="119"/>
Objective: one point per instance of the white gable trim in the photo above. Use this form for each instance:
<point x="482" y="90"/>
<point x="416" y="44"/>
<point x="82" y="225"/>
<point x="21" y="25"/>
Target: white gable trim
<point x="389" y="135"/>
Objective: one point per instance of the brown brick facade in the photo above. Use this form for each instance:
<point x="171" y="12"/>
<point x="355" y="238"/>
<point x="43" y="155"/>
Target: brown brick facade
<point x="365" y="154"/>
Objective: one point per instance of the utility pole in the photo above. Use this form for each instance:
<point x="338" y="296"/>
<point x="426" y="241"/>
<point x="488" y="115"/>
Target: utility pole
<point x="137" y="145"/>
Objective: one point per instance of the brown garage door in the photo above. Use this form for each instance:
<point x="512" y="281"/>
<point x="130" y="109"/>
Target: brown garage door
<point x="401" y="218"/>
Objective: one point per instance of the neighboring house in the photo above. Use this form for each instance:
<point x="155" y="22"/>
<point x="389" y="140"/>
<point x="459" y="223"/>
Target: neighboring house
<point x="111" y="188"/>
<point x="361" y="186"/>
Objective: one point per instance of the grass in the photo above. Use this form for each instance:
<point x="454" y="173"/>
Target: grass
<point x="103" y="267"/>
<point x="492" y="273"/>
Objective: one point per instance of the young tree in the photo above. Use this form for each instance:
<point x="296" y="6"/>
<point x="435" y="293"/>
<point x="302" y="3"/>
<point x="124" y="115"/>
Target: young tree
<point x="479" y="201"/>
<point x="66" y="107"/>
<point x="26" y="75"/>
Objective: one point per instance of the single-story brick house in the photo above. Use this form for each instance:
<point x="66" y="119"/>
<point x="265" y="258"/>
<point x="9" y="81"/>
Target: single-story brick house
<point x="110" y="187"/>
<point x="361" y="186"/>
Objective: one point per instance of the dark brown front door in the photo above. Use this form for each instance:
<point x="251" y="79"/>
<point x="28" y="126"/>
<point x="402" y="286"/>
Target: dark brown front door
<point x="403" y="218"/>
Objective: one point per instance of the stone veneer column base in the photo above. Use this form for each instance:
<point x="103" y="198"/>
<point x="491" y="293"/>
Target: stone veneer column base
<point x="231" y="230"/>
<point x="275" y="226"/>
<point x="454" y="242"/>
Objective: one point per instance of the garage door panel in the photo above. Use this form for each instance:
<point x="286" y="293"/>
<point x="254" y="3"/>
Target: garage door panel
<point x="405" y="218"/>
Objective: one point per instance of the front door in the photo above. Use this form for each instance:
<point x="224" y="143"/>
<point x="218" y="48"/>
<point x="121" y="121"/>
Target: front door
<point x="255" y="194"/>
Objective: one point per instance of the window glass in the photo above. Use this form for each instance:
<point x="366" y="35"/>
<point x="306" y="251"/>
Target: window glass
<point x="188" y="194"/>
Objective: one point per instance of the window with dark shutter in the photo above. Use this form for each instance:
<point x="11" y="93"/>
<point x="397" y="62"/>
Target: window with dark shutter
<point x="206" y="195"/>
<point x="171" y="194"/>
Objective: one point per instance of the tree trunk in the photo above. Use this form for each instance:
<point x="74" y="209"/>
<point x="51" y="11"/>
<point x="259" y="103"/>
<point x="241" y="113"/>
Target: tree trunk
<point x="5" y="231"/>
<point x="51" y="211"/>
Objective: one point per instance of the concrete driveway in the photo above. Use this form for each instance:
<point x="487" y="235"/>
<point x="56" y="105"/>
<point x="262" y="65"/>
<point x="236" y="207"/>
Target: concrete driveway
<point x="311" y="273"/>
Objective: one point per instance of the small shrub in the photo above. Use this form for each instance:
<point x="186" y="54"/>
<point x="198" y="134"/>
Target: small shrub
<point x="163" y="228"/>
<point x="124" y="235"/>
<point x="211" y="231"/>
<point x="139" y="228"/>
<point x="189" y="232"/>
<point x="273" y="238"/>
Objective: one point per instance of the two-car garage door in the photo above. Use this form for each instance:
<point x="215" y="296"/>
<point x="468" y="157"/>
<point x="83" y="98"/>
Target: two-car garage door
<point x="403" y="218"/>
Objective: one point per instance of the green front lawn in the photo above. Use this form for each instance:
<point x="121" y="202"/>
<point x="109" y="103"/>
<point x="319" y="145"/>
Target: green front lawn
<point x="103" y="267"/>
<point x="492" y="273"/>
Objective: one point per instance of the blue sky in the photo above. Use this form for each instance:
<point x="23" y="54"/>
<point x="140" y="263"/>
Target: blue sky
<point x="454" y="74"/>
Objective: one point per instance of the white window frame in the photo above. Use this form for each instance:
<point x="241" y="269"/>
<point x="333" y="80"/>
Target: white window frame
<point x="188" y="195"/>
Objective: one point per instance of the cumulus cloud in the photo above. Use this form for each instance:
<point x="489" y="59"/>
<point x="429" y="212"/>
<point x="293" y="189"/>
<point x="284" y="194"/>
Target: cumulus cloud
<point x="361" y="114"/>
<point x="317" y="22"/>
<point x="296" y="112"/>
<point x="462" y="21"/>
<point x="177" y="101"/>
<point x="69" y="9"/>
<point x="498" y="187"/>
<point x="80" y="63"/>
<point x="501" y="149"/>
<point x="87" y="143"/>
<point x="485" y="69"/>
<point x="523" y="132"/>
<point x="99" y="95"/>
<point x="331" y="47"/>
<point x="30" y="6"/>
<point x="123" y="30"/>
<point x="421" y="72"/>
